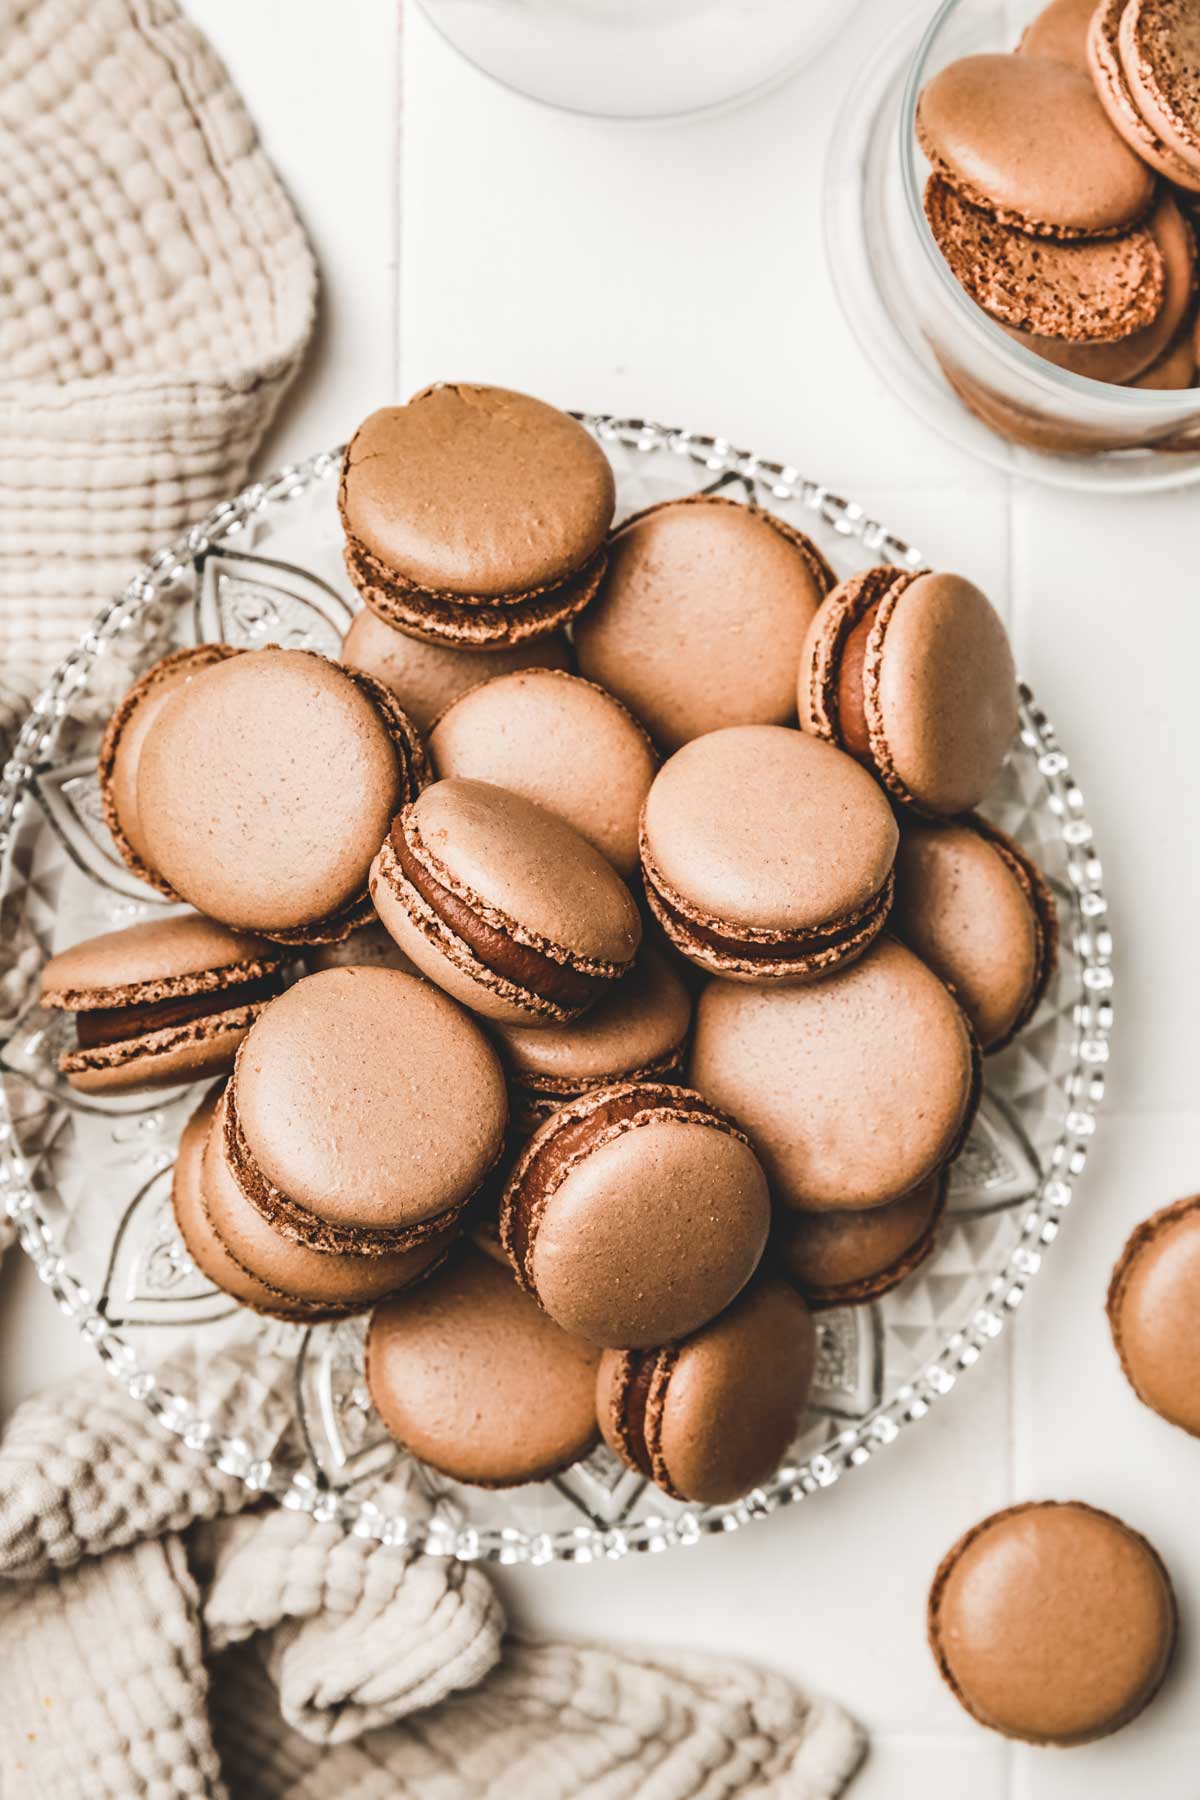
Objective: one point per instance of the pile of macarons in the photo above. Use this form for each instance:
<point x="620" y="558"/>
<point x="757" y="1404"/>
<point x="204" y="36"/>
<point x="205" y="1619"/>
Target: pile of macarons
<point x="597" y="959"/>
<point x="1062" y="178"/>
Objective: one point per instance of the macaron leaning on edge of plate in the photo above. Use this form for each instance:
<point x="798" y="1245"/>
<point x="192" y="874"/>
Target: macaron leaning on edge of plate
<point x="635" y="1214"/>
<point x="264" y="786"/>
<point x="475" y="516"/>
<point x="913" y="675"/>
<point x="159" y="1002"/>
<point x="767" y="856"/>
<point x="503" y="904"/>
<point x="711" y="1417"/>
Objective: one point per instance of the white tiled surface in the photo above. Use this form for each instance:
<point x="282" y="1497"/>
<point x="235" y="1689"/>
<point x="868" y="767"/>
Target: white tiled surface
<point x="678" y="272"/>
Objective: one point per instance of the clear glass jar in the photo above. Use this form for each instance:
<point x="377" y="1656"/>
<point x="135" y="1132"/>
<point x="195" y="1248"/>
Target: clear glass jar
<point x="638" y="59"/>
<point x="953" y="364"/>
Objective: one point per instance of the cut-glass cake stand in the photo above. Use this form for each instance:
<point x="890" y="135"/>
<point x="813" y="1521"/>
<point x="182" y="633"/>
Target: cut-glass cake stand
<point x="87" y="1180"/>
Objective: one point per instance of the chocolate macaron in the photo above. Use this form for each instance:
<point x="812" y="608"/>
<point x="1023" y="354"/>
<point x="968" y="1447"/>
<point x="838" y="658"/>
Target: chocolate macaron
<point x="1053" y="1622"/>
<point x="504" y="904"/>
<point x="428" y="677"/>
<point x="1026" y="140"/>
<point x="1116" y="96"/>
<point x="475" y="516"/>
<point x="1154" y="1313"/>
<point x="469" y="1374"/>
<point x="562" y="742"/>
<point x="846" y="1258"/>
<point x="636" y="1033"/>
<point x="163" y="1001"/>
<point x="365" y="1110"/>
<point x="700" y="616"/>
<point x="121" y="749"/>
<point x="1159" y="44"/>
<point x="854" y="1089"/>
<point x="913" y="675"/>
<point x="712" y="1417"/>
<point x="980" y="913"/>
<point x="767" y="856"/>
<point x="264" y="786"/>
<point x="636" y="1214"/>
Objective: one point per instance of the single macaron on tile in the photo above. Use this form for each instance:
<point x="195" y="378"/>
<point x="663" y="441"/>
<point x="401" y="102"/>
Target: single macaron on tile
<point x="475" y="516"/>
<point x="712" y="1417"/>
<point x="1112" y="85"/>
<point x="427" y="677"/>
<point x="842" y="1258"/>
<point x="161" y="1002"/>
<point x="1053" y="1622"/>
<point x="1154" y="1313"/>
<point x="291" y="1274"/>
<point x="1159" y="45"/>
<point x="913" y="675"/>
<point x="121" y="749"/>
<point x="1026" y="140"/>
<point x="767" y="856"/>
<point x="701" y="614"/>
<point x="980" y="913"/>
<point x="560" y="741"/>
<point x="1090" y="291"/>
<point x="364" y="1112"/>
<point x="265" y="784"/>
<point x="469" y="1374"/>
<point x="636" y="1033"/>
<point x="853" y="1090"/>
<point x="1060" y="32"/>
<point x="636" y="1214"/>
<point x="504" y="904"/>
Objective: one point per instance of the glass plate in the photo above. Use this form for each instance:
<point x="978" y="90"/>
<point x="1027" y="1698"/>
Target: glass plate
<point x="87" y="1180"/>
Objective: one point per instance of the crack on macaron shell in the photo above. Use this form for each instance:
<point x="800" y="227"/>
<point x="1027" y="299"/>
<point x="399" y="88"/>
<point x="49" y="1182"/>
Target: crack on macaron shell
<point x="303" y="1226"/>
<point x="950" y="1561"/>
<point x="203" y="656"/>
<point x="754" y="951"/>
<point x="573" y="1134"/>
<point x="1142" y="1238"/>
<point x="487" y="623"/>
<point x="1108" y="75"/>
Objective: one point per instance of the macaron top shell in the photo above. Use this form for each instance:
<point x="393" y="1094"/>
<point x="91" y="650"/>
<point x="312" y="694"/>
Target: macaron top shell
<point x="762" y="826"/>
<point x="473" y="490"/>
<point x="266" y="785"/>
<point x="643" y="1020"/>
<point x="1026" y="139"/>
<point x="144" y="962"/>
<point x="471" y="1375"/>
<point x="428" y="677"/>
<point x="1154" y="1313"/>
<point x="942" y="696"/>
<point x="736" y="1393"/>
<point x="561" y="742"/>
<point x="1060" y="32"/>
<point x="1053" y="1622"/>
<point x="672" y="632"/>
<point x="370" y="1099"/>
<point x="853" y="1089"/>
<point x="501" y="852"/>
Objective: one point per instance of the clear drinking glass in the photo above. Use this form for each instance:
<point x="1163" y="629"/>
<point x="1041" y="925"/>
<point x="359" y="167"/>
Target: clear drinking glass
<point x="638" y="59"/>
<point x="950" y="361"/>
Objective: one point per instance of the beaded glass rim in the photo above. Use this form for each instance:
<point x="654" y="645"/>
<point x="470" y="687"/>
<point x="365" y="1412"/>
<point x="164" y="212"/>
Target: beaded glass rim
<point x="1084" y="1081"/>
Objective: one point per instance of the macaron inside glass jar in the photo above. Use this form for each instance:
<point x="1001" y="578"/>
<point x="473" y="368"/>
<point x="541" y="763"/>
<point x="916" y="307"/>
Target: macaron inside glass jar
<point x="711" y="1417"/>
<point x="854" y="1090"/>
<point x="701" y="615"/>
<point x="913" y="675"/>
<point x="160" y="1002"/>
<point x="469" y="1374"/>
<point x="364" y="1112"/>
<point x="767" y="856"/>
<point x="264" y="785"/>
<point x="563" y="743"/>
<point x="635" y="1214"/>
<point x="503" y="904"/>
<point x="475" y="516"/>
